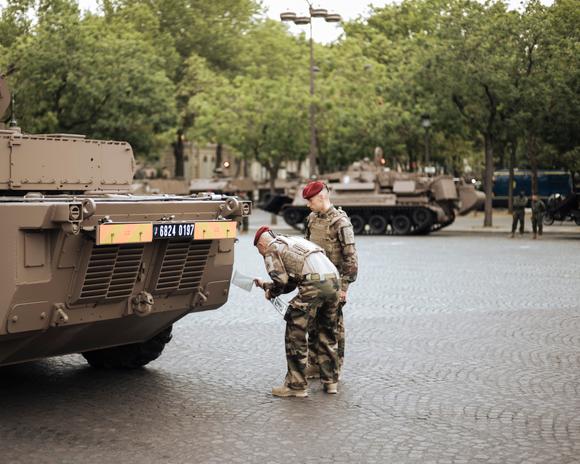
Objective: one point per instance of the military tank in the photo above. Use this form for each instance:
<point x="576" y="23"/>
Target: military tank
<point x="380" y="201"/>
<point x="88" y="267"/>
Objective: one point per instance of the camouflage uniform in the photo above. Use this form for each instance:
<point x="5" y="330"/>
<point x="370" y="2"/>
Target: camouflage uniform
<point x="294" y="262"/>
<point x="333" y="232"/>
<point x="519" y="207"/>
<point x="538" y="211"/>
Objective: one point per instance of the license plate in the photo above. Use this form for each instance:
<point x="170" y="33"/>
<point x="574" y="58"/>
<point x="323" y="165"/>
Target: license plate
<point x="173" y="230"/>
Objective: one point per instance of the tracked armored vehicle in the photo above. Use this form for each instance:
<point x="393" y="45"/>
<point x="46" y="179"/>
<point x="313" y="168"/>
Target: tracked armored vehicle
<point x="380" y="201"/>
<point x="89" y="268"/>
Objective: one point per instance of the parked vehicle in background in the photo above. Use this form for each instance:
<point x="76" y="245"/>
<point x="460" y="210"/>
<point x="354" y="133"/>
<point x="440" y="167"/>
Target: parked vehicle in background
<point x="550" y="182"/>
<point x="380" y="201"/>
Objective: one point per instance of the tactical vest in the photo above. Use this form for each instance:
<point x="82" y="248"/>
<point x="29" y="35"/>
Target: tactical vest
<point x="324" y="235"/>
<point x="294" y="252"/>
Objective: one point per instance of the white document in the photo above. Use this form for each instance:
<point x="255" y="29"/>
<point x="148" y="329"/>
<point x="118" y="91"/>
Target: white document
<point x="282" y="302"/>
<point x="243" y="281"/>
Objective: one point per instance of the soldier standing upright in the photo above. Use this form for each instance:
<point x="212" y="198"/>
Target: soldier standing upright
<point x="330" y="228"/>
<point x="294" y="262"/>
<point x="519" y="212"/>
<point x="538" y="211"/>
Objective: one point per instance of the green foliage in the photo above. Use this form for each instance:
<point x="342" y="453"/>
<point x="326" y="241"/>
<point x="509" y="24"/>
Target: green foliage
<point x="147" y="70"/>
<point x="90" y="78"/>
<point x="262" y="113"/>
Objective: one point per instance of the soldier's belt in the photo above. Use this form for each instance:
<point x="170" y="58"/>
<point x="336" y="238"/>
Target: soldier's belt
<point x="319" y="277"/>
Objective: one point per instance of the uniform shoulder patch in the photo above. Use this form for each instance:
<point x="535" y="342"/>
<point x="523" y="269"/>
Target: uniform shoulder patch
<point x="347" y="234"/>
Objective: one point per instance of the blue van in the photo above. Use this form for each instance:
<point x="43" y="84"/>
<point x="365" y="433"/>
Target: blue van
<point x="549" y="183"/>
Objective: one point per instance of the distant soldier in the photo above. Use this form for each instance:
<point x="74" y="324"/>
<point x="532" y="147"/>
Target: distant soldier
<point x="330" y="228"/>
<point x="519" y="212"/>
<point x="538" y="211"/>
<point x="294" y="262"/>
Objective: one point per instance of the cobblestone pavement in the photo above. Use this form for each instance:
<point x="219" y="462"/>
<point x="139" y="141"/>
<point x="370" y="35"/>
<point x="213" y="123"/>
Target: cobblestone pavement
<point x="460" y="350"/>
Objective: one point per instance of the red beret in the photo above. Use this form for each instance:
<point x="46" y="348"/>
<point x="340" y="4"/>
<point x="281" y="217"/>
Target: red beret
<point x="259" y="233"/>
<point x="313" y="188"/>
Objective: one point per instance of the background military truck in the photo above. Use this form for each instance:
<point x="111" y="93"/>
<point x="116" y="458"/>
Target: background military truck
<point x="89" y="268"/>
<point x="380" y="201"/>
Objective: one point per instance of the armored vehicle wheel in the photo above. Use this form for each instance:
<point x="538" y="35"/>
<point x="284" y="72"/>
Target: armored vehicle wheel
<point x="358" y="224"/>
<point x="422" y="218"/>
<point x="401" y="225"/>
<point x="377" y="224"/>
<point x="548" y="219"/>
<point x="293" y="217"/>
<point x="129" y="356"/>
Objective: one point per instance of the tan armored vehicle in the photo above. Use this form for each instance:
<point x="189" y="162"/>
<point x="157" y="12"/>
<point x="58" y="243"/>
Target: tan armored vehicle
<point x="87" y="267"/>
<point x="380" y="201"/>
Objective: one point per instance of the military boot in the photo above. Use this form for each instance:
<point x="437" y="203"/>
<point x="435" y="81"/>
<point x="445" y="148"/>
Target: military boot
<point x="285" y="391"/>
<point x="331" y="388"/>
<point x="535" y="236"/>
<point x="312" y="372"/>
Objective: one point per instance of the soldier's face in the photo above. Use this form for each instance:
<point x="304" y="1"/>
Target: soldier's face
<point x="317" y="203"/>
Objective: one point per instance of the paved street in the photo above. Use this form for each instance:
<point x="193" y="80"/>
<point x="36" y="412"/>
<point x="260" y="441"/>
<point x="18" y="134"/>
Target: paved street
<point x="461" y="349"/>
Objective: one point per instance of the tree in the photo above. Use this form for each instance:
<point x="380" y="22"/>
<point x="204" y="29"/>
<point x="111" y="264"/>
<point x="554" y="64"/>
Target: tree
<point x="80" y="75"/>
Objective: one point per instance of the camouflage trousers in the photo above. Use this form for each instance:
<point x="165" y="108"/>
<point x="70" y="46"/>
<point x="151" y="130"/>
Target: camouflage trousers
<point x="340" y="339"/>
<point x="518" y="216"/>
<point x="538" y="223"/>
<point x="314" y="300"/>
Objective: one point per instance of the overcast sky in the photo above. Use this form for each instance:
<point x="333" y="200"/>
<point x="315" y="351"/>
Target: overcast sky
<point x="323" y="31"/>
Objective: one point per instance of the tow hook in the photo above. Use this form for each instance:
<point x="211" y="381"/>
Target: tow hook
<point x="142" y="304"/>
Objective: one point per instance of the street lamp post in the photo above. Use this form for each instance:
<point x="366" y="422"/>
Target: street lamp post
<point x="302" y="21"/>
<point x="426" y="123"/>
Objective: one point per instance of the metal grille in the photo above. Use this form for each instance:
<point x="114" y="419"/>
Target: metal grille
<point x="182" y="266"/>
<point x="111" y="272"/>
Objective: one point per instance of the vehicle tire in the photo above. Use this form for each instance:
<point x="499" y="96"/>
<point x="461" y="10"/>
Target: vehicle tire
<point x="401" y="224"/>
<point x="422" y="218"/>
<point x="129" y="356"/>
<point x="577" y="220"/>
<point x="377" y="224"/>
<point x="358" y="224"/>
<point x="292" y="216"/>
<point x="548" y="220"/>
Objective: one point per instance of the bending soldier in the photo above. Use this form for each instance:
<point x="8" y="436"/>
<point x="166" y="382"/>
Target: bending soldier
<point x="330" y="229"/>
<point x="294" y="262"/>
<point x="538" y="211"/>
<point x="519" y="212"/>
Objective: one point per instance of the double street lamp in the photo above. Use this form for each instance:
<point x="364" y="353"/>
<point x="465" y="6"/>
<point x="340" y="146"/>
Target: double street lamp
<point x="321" y="13"/>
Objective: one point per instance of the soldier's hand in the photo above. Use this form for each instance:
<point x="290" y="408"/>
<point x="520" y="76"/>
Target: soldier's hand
<point x="342" y="296"/>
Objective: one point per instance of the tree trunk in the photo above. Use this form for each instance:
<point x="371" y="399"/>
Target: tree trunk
<point x="513" y="150"/>
<point x="219" y="149"/>
<point x="532" y="149"/>
<point x="178" y="154"/>
<point x="488" y="180"/>
<point x="246" y="169"/>
<point x="273" y="173"/>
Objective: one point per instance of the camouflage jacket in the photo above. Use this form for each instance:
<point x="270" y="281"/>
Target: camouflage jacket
<point x="538" y="208"/>
<point x="520" y="203"/>
<point x="332" y="231"/>
<point x="285" y="258"/>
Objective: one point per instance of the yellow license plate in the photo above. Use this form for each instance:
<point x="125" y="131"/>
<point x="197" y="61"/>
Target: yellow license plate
<point x="214" y="230"/>
<point x="117" y="234"/>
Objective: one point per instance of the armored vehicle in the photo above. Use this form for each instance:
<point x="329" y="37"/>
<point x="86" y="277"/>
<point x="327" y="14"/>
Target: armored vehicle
<point x="89" y="268"/>
<point x="379" y="201"/>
